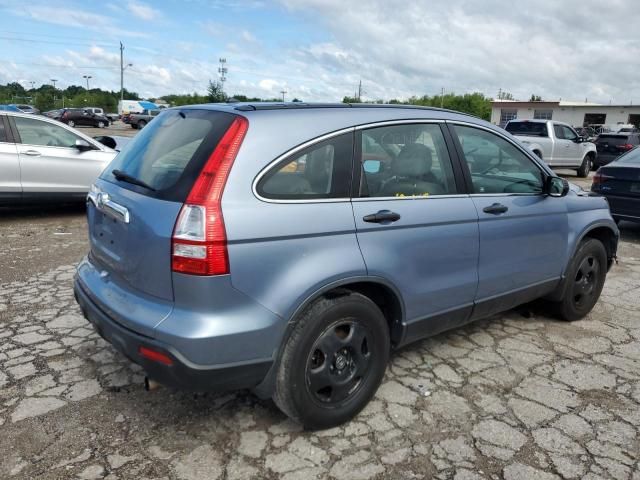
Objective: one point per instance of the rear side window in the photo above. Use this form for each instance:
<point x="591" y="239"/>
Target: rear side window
<point x="45" y="134"/>
<point x="534" y="129"/>
<point x="322" y="170"/>
<point x="406" y="161"/>
<point x="170" y="152"/>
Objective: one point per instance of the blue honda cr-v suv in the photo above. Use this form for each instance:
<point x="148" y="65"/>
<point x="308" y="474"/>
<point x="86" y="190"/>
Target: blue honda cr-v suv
<point x="288" y="248"/>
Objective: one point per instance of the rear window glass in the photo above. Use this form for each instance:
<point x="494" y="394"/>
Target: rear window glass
<point x="535" y="129"/>
<point x="632" y="157"/>
<point x="613" y="139"/>
<point x="170" y="152"/>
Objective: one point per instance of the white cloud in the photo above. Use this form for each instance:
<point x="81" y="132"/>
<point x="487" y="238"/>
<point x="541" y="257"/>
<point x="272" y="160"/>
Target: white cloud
<point x="143" y="11"/>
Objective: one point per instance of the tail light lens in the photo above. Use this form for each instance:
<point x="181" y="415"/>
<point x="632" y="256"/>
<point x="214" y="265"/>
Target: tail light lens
<point x="626" y="146"/>
<point x="199" y="244"/>
<point x="599" y="178"/>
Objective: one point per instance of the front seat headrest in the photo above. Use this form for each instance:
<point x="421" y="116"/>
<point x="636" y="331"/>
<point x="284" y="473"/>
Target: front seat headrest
<point x="413" y="160"/>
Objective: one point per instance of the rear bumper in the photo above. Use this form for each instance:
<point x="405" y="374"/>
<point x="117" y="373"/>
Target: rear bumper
<point x="624" y="208"/>
<point x="181" y="374"/>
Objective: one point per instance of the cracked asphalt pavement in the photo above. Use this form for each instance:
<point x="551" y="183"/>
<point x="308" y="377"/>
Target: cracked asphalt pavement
<point x="517" y="396"/>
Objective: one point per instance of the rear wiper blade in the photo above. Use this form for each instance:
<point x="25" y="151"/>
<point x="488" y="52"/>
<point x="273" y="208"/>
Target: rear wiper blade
<point x="125" y="177"/>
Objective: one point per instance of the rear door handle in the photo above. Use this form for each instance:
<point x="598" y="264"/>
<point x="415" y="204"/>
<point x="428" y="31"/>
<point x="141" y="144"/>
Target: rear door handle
<point x="31" y="153"/>
<point x="381" y="217"/>
<point x="495" y="209"/>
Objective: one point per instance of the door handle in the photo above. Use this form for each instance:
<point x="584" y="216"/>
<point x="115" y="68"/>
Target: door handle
<point x="382" y="216"/>
<point x="31" y="153"/>
<point x="495" y="209"/>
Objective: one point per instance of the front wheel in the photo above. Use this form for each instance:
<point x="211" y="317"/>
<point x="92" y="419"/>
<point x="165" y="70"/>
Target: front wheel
<point x="71" y="123"/>
<point x="333" y="362"/>
<point x="585" y="168"/>
<point x="584" y="281"/>
<point x="141" y="124"/>
<point x="101" y="124"/>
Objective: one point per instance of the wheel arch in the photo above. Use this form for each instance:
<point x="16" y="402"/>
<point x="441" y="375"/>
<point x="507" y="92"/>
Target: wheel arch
<point x="379" y="290"/>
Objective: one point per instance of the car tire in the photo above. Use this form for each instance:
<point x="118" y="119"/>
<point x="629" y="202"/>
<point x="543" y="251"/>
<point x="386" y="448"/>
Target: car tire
<point x="141" y="124"/>
<point x="134" y="126"/>
<point x="71" y="123"/>
<point x="585" y="168"/>
<point x="101" y="124"/>
<point x="584" y="280"/>
<point x="333" y="361"/>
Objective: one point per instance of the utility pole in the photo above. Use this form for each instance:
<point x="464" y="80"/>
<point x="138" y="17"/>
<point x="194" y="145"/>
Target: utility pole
<point x="53" y="80"/>
<point x="442" y="98"/>
<point x="123" y="67"/>
<point x="283" y="92"/>
<point x="359" y="90"/>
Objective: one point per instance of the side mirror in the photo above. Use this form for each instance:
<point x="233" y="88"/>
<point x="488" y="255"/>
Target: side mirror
<point x="579" y="140"/>
<point x="556" y="187"/>
<point x="372" y="166"/>
<point x="106" y="141"/>
<point x="83" y="146"/>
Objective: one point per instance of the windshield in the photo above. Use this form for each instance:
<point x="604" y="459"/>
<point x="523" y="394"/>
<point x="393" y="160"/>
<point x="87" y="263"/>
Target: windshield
<point x="169" y="153"/>
<point x="535" y="129"/>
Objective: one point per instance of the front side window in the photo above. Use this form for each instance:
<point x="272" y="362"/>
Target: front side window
<point x="496" y="165"/>
<point x="405" y="161"/>
<point x="568" y="133"/>
<point x="44" y="134"/>
<point x="320" y="171"/>
<point x="559" y="132"/>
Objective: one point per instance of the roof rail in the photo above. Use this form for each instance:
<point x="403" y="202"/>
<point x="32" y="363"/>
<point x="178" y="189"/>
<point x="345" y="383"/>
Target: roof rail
<point x="245" y="107"/>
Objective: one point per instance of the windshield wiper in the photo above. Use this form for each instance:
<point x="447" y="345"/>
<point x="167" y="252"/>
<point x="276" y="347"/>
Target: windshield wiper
<point x="125" y="177"/>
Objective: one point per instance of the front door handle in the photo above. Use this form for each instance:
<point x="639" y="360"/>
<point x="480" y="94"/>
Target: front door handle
<point x="381" y="217"/>
<point x="31" y="153"/>
<point x="495" y="209"/>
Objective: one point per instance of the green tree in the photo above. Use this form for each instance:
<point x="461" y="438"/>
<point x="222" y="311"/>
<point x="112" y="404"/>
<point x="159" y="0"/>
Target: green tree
<point x="215" y="92"/>
<point x="535" y="98"/>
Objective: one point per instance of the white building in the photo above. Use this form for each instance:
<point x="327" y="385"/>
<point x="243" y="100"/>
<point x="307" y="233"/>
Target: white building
<point x="573" y="113"/>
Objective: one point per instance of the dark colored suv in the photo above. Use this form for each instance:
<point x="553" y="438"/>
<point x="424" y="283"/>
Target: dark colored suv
<point x="289" y="248"/>
<point x="76" y="117"/>
<point x="611" y="145"/>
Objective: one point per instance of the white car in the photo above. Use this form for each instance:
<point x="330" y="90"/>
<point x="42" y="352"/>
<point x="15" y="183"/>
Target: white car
<point x="42" y="160"/>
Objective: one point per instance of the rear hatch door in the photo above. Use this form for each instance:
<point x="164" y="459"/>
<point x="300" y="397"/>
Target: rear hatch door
<point x="133" y="211"/>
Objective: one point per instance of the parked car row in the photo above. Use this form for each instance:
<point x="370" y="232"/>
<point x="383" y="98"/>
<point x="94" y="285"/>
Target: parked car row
<point x="563" y="146"/>
<point x="44" y="160"/>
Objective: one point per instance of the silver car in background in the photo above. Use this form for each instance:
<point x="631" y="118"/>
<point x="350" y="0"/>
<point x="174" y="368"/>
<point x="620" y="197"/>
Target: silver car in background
<point x="42" y="160"/>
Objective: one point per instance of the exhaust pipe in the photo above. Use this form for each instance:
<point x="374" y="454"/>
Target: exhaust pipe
<point x="150" y="385"/>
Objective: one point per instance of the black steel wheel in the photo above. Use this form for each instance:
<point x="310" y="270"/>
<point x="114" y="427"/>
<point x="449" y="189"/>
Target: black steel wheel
<point x="333" y="361"/>
<point x="584" y="280"/>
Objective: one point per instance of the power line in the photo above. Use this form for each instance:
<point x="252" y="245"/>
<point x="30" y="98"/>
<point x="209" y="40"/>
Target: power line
<point x="53" y="42"/>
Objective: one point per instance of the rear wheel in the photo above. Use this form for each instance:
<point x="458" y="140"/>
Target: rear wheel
<point x="585" y="168"/>
<point x="333" y="362"/>
<point x="101" y="124"/>
<point x="141" y="124"/>
<point x="584" y="281"/>
<point x="71" y="123"/>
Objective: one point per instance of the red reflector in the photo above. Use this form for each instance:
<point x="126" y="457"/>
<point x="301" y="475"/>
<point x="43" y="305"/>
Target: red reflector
<point x="626" y="146"/>
<point x="155" y="356"/>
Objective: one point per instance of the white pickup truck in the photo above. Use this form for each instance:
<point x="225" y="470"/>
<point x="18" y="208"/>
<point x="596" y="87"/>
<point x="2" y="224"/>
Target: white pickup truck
<point x="556" y="143"/>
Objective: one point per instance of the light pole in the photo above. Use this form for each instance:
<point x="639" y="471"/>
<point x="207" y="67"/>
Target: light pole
<point x="53" y="80"/>
<point x="283" y="92"/>
<point x="87" y="77"/>
<point x="123" y="67"/>
<point x="32" y="84"/>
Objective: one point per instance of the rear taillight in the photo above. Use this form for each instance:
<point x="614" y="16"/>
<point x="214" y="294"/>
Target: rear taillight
<point x="599" y="178"/>
<point x="199" y="243"/>
<point x="626" y="146"/>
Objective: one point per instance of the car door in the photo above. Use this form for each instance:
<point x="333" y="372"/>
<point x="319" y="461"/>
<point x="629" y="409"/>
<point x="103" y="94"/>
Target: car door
<point x="416" y="227"/>
<point x="561" y="147"/>
<point x="10" y="188"/>
<point x="50" y="161"/>
<point x="575" y="150"/>
<point x="523" y="232"/>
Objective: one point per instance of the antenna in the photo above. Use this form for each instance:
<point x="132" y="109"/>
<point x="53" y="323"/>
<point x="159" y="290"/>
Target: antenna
<point x="222" y="70"/>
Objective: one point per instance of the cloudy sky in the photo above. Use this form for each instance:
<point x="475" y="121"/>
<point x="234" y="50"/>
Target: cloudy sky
<point x="318" y="50"/>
